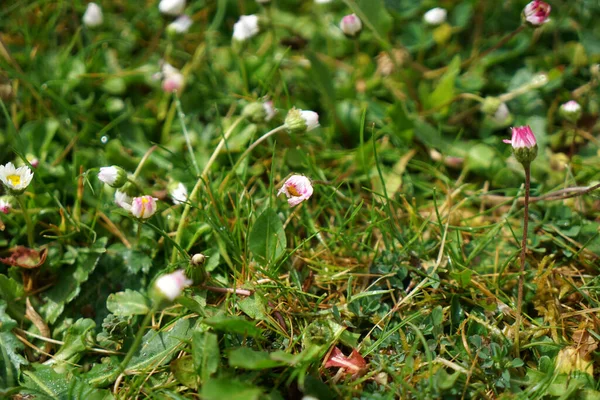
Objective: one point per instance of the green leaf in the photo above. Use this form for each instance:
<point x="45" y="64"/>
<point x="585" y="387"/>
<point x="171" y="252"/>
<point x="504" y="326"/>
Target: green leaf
<point x="254" y="307"/>
<point x="322" y="78"/>
<point x="445" y="89"/>
<point x="205" y="353"/>
<point x="230" y="389"/>
<point x="128" y="303"/>
<point x="10" y="347"/>
<point x="43" y="380"/>
<point x="183" y="369"/>
<point x="373" y="15"/>
<point x="71" y="278"/>
<point x="78" y="339"/>
<point x="158" y="348"/>
<point x="233" y="325"/>
<point x="250" y="359"/>
<point x="267" y="238"/>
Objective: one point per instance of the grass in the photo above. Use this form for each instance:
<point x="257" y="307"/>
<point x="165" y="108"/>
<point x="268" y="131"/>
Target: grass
<point x="406" y="256"/>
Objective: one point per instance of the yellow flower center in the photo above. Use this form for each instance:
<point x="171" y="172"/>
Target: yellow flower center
<point x="144" y="200"/>
<point x="14" y="180"/>
<point x="293" y="191"/>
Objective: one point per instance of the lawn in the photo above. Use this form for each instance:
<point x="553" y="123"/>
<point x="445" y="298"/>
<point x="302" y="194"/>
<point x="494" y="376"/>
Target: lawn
<point x="299" y="199"/>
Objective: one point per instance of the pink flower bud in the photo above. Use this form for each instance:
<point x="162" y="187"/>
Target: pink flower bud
<point x="173" y="80"/>
<point x="143" y="207"/>
<point x="171" y="285"/>
<point x="5" y="205"/>
<point x="297" y="189"/>
<point x="537" y="12"/>
<point x="522" y="136"/>
<point x="351" y="25"/>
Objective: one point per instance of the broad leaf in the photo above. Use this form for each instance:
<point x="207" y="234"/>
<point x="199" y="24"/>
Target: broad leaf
<point x="230" y="389"/>
<point x="267" y="238"/>
<point x="10" y="347"/>
<point x="78" y="339"/>
<point x="233" y="325"/>
<point x="250" y="359"/>
<point x="127" y="303"/>
<point x="205" y="353"/>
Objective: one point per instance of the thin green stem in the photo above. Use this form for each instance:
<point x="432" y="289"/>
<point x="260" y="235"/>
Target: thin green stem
<point x="248" y="151"/>
<point x="141" y="164"/>
<point x="181" y="116"/>
<point x="199" y="182"/>
<point x="136" y="342"/>
<point x="28" y="222"/>
<point x="523" y="255"/>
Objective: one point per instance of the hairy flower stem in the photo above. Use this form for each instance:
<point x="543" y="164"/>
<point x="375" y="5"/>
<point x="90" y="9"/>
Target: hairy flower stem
<point x="28" y="222"/>
<point x="181" y="116"/>
<point x="523" y="255"/>
<point x="136" y="342"/>
<point x="248" y="151"/>
<point x="199" y="182"/>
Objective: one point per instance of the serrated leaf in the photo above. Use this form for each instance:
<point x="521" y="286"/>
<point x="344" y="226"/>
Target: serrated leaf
<point x="10" y="347"/>
<point x="158" y="348"/>
<point x="205" y="352"/>
<point x="128" y="303"/>
<point x="78" y="339"/>
<point x="267" y="238"/>
<point x="68" y="286"/>
<point x="44" y="382"/>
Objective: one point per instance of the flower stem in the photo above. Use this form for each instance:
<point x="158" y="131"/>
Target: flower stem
<point x="142" y="162"/>
<point x="523" y="255"/>
<point x="199" y="182"/>
<point x="181" y="116"/>
<point x="248" y="151"/>
<point x="21" y="201"/>
<point x="136" y="341"/>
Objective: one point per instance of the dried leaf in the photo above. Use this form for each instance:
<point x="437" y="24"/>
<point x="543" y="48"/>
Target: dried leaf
<point x="354" y="364"/>
<point x="25" y="257"/>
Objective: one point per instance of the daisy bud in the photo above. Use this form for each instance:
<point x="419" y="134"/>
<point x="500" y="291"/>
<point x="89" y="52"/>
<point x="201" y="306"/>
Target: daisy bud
<point x="435" y="16"/>
<point x="123" y="200"/>
<point x="16" y="180"/>
<point x="259" y="112"/>
<point x="32" y="160"/>
<point x="502" y="114"/>
<point x="113" y="176"/>
<point x="173" y="80"/>
<point x="171" y="7"/>
<point x="490" y="105"/>
<point x="245" y="28"/>
<point x="524" y="144"/>
<point x="143" y="207"/>
<point x="92" y="16"/>
<point x="170" y="286"/>
<point x="536" y="13"/>
<point x="198" y="259"/>
<point x="263" y="1"/>
<point x="351" y="25"/>
<point x="300" y="121"/>
<point x="323" y="1"/>
<point x="5" y="204"/>
<point x="297" y="188"/>
<point x="178" y="193"/>
<point x="180" y="26"/>
<point x="571" y="111"/>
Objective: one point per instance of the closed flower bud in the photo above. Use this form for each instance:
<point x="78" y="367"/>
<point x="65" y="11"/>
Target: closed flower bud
<point x="435" y="16"/>
<point x="524" y="144"/>
<point x="33" y="160"/>
<point x="173" y="80"/>
<point x="300" y="121"/>
<point x="123" y="200"/>
<point x="259" y="112"/>
<point x="113" y="176"/>
<point x="490" y="105"/>
<point x="502" y="114"/>
<point x="245" y="28"/>
<point x="171" y="7"/>
<point x="263" y="1"/>
<point x="297" y="188"/>
<point x="170" y="286"/>
<point x="92" y="16"/>
<point x="536" y="13"/>
<point x="198" y="259"/>
<point x="5" y="204"/>
<point x="571" y="111"/>
<point x="14" y="179"/>
<point x="143" y="207"/>
<point x="178" y="193"/>
<point x="180" y="26"/>
<point x="351" y="25"/>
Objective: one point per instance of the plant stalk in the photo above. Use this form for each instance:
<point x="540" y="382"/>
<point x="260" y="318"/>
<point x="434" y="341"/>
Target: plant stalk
<point x="28" y="222"/>
<point x="527" y="168"/>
